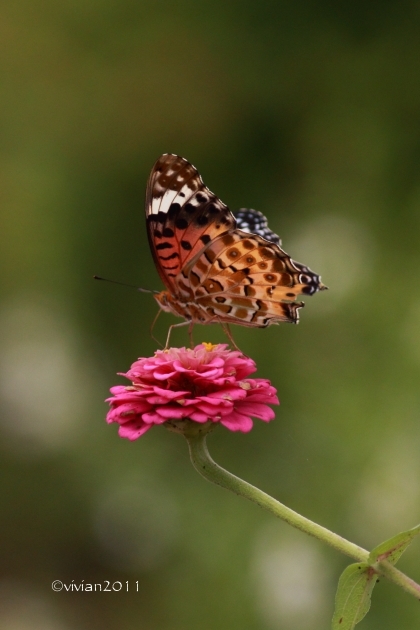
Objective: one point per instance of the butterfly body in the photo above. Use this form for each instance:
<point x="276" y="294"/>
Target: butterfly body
<point x="214" y="271"/>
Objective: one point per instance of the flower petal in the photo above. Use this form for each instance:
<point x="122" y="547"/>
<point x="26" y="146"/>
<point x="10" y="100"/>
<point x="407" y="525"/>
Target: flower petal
<point x="256" y="410"/>
<point x="132" y="432"/>
<point x="237" y="422"/>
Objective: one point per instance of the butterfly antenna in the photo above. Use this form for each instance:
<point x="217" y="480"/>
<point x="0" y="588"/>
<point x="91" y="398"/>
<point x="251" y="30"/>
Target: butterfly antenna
<point x="124" y="284"/>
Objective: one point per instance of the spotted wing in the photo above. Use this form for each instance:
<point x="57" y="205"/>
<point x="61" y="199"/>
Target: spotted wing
<point x="218" y="269"/>
<point x="243" y="278"/>
<point x="254" y="222"/>
<point x="182" y="216"/>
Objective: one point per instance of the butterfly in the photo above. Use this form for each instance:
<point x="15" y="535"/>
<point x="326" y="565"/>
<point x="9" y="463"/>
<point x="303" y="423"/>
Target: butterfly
<point x="217" y="267"/>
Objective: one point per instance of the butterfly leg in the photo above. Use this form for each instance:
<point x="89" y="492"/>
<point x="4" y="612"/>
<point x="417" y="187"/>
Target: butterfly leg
<point x="175" y="326"/>
<point x="190" y="334"/>
<point x="228" y="334"/>
<point x="152" y="327"/>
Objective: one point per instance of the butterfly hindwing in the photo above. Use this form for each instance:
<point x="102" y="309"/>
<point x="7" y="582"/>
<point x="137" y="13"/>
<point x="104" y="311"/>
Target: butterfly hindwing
<point x="253" y="274"/>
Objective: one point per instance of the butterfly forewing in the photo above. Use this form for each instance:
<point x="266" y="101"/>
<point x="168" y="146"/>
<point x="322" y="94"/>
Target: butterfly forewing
<point x="216" y="268"/>
<point x="183" y="215"/>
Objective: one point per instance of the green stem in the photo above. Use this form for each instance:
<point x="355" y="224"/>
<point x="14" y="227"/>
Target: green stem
<point x="400" y="579"/>
<point x="211" y="471"/>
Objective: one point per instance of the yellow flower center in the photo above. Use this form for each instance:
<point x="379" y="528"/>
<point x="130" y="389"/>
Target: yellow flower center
<point x="209" y="346"/>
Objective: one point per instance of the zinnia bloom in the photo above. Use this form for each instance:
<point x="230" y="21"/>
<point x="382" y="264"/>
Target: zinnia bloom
<point x="206" y="383"/>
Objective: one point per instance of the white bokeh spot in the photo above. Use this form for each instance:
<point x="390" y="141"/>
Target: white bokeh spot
<point x="44" y="380"/>
<point x="290" y="580"/>
<point x="341" y="251"/>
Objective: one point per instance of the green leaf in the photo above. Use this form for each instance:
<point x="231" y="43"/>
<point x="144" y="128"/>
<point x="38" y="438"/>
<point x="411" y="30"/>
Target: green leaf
<point x="354" y="591"/>
<point x="393" y="548"/>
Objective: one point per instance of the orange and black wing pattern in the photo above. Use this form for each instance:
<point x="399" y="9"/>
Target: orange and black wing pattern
<point x="231" y="269"/>
<point x="182" y="216"/>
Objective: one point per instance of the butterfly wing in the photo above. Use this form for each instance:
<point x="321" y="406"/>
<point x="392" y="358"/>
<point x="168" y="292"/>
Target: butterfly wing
<point x="254" y="222"/>
<point x="244" y="278"/>
<point x="182" y="216"/>
<point x="228" y="270"/>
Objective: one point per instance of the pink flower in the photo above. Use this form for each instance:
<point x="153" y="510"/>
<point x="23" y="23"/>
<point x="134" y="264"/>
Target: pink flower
<point x="207" y="383"/>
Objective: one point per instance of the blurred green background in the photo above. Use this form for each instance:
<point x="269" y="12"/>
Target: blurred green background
<point x="309" y="112"/>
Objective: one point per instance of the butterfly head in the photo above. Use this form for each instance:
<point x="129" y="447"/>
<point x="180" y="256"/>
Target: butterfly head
<point x="164" y="300"/>
<point x="169" y="304"/>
